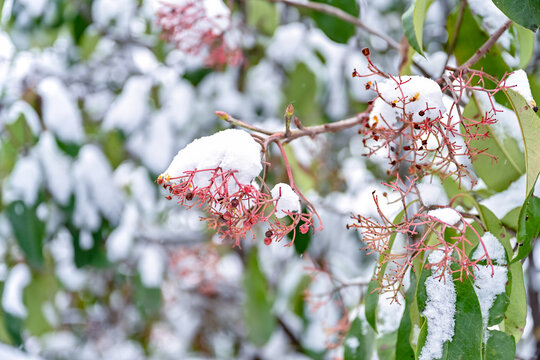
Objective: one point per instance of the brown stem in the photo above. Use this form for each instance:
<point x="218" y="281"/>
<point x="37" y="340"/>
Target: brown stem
<point x="484" y="48"/>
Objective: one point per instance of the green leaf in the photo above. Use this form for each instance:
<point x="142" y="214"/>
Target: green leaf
<point x="42" y="289"/>
<point x="525" y="39"/>
<point x="413" y="23"/>
<point x="500" y="305"/>
<point x="262" y="15"/>
<point x="15" y="327"/>
<point x="510" y="164"/>
<point x="371" y="300"/>
<point x="359" y="341"/>
<point x="28" y="230"/>
<point x="510" y="220"/>
<point x="404" y="350"/>
<point x="301" y="91"/>
<point x="148" y="300"/>
<point x="500" y="346"/>
<point x="260" y="321"/>
<point x="524" y="12"/>
<point x="530" y="129"/>
<point x="516" y="313"/>
<point x="528" y="225"/>
<point x="386" y="346"/>
<point x="336" y="29"/>
<point x="494" y="226"/>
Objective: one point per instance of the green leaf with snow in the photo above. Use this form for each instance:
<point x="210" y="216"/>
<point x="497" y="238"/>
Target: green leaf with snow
<point x="529" y="121"/>
<point x="260" y="321"/>
<point x="494" y="226"/>
<point x="516" y="313"/>
<point x="500" y="346"/>
<point x="524" y="12"/>
<point x="359" y="341"/>
<point x="525" y="39"/>
<point x="371" y="300"/>
<point x="528" y="225"/>
<point x="413" y="23"/>
<point x="510" y="164"/>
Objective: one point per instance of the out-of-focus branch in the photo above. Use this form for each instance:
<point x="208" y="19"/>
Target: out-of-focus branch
<point x="533" y="303"/>
<point x="484" y="48"/>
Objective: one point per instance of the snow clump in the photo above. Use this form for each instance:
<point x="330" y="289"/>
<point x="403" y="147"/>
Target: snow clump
<point x="286" y="200"/>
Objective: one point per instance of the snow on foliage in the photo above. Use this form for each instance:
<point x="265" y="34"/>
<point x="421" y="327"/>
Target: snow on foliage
<point x="493" y="247"/>
<point x="12" y="296"/>
<point x="27" y="168"/>
<point x="286" y="200"/>
<point x="440" y="309"/>
<point x="446" y="215"/>
<point x="519" y="82"/>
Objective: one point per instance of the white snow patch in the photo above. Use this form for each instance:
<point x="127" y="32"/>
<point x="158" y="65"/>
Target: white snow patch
<point x="120" y="242"/>
<point x="34" y="7"/>
<point x="446" y="215"/>
<point x="60" y="112"/>
<point x="286" y="200"/>
<point x="432" y="194"/>
<point x="10" y="353"/>
<point x="494" y="248"/>
<point x="493" y="18"/>
<point x="489" y="282"/>
<point x="519" y="83"/>
<point x="70" y="276"/>
<point x="501" y="203"/>
<point x="440" y="310"/>
<point x="24" y="182"/>
<point x="152" y="262"/>
<point x="12" y="297"/>
<point x="56" y="167"/>
<point x="229" y="150"/>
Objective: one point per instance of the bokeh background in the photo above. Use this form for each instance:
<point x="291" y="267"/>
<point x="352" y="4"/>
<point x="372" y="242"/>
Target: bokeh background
<point x="94" y="102"/>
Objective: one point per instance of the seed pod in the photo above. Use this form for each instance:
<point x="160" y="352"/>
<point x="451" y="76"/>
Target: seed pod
<point x="234" y="202"/>
<point x="421" y="113"/>
<point x="365" y="51"/>
<point x="189" y="196"/>
<point x="269" y="233"/>
<point x="267" y="241"/>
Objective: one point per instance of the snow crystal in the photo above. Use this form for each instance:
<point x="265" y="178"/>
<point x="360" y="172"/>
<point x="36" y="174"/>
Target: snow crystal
<point x="130" y="108"/>
<point x="439" y="311"/>
<point x="446" y="215"/>
<point x="518" y="82"/>
<point x="229" y="150"/>
<point x="12" y="297"/>
<point x="287" y="200"/>
<point x="60" y="112"/>
<point x="24" y="182"/>
<point x="152" y="263"/>
<point x="489" y="282"/>
<point x="56" y="167"/>
<point x="417" y="92"/>
<point x="494" y="248"/>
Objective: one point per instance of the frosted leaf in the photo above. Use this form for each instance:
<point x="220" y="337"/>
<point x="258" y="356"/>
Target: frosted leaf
<point x="229" y="150"/>
<point x="518" y="82"/>
<point x="287" y="200"/>
<point x="489" y="282"/>
<point x="60" y="112"/>
<point x="494" y="249"/>
<point x="446" y="215"/>
<point x="440" y="310"/>
<point x="12" y="296"/>
<point x="24" y="182"/>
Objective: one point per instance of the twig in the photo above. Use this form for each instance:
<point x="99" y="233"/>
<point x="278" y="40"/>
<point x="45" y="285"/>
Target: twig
<point x="484" y="48"/>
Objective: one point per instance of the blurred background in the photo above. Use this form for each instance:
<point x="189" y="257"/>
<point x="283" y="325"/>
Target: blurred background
<point x="96" y="97"/>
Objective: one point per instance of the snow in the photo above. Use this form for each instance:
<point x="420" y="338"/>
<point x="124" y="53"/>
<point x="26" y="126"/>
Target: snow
<point x="119" y="12"/>
<point x="12" y="297"/>
<point x="440" y="310"/>
<point x="495" y="250"/>
<point x="286" y="200"/>
<point x="60" y="112"/>
<point x="501" y="203"/>
<point x="11" y="353"/>
<point x="493" y="18"/>
<point x="152" y="263"/>
<point x="24" y="182"/>
<point x="489" y="282"/>
<point x="416" y="92"/>
<point x="56" y="168"/>
<point x="432" y="193"/>
<point x="130" y="108"/>
<point x="446" y="215"/>
<point x="120" y="241"/>
<point x="518" y="82"/>
<point x="228" y="149"/>
<point x="34" y="7"/>
<point x="61" y="247"/>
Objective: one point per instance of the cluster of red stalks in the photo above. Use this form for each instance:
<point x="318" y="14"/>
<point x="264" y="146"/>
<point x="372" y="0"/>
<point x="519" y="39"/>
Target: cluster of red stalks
<point x="194" y="32"/>
<point x="409" y="143"/>
<point x="232" y="208"/>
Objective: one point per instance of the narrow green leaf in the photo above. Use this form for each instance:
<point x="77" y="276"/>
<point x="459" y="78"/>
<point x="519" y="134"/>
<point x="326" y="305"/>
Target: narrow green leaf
<point x="528" y="226"/>
<point x="359" y="341"/>
<point x="500" y="346"/>
<point x="28" y="230"/>
<point x="516" y="313"/>
<point x="386" y="346"/>
<point x="336" y="29"/>
<point x="413" y="23"/>
<point x="404" y="350"/>
<point x="260" y="321"/>
<point x="525" y="39"/>
<point x="529" y="121"/>
<point x="524" y="12"/>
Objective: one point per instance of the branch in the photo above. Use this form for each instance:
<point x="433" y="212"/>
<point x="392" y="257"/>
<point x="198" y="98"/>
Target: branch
<point x="484" y="49"/>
